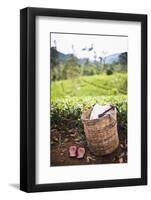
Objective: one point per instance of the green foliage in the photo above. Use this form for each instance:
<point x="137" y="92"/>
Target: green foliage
<point x="109" y="72"/>
<point x="54" y="57"/>
<point x="71" y="68"/>
<point x="77" y="85"/>
<point x="108" y="68"/>
<point x="97" y="85"/>
<point x="55" y="68"/>
<point x="68" y="111"/>
<point x="89" y="70"/>
<point x="69" y="98"/>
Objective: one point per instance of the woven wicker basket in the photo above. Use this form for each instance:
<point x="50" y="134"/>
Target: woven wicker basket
<point x="101" y="134"/>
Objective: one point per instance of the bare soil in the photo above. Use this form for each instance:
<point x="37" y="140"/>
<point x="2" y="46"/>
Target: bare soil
<point x="62" y="140"/>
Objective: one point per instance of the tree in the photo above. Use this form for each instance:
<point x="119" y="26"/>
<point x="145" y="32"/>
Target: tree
<point x="72" y="67"/>
<point x="54" y="55"/>
<point x="54" y="62"/>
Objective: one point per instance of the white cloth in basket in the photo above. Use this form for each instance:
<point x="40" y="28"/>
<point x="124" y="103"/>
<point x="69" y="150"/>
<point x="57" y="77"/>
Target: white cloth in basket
<point x="97" y="110"/>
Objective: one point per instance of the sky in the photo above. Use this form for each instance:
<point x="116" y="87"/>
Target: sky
<point x="79" y="44"/>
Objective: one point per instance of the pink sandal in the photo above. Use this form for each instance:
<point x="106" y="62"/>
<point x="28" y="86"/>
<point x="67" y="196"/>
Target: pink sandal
<point x="72" y="151"/>
<point x="80" y="152"/>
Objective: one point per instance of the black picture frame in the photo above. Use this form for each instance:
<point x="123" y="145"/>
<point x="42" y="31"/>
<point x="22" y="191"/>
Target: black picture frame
<point x="28" y="99"/>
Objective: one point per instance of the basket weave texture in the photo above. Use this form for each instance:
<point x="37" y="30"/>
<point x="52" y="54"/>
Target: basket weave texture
<point x="101" y="134"/>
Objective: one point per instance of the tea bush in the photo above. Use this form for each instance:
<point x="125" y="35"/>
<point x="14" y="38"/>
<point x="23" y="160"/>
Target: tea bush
<point x="101" y="85"/>
<point x="66" y="112"/>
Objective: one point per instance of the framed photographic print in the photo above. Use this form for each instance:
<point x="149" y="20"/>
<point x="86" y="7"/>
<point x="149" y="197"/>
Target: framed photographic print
<point x="83" y="99"/>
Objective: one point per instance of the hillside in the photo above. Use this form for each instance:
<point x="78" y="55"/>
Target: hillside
<point x="96" y="85"/>
<point x="111" y="59"/>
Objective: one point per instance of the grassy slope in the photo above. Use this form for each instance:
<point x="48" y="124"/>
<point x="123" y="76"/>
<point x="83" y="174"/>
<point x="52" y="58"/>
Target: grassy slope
<point x="97" y="85"/>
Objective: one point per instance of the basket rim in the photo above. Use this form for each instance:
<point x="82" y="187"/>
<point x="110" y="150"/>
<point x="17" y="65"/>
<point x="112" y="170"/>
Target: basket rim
<point x="93" y="120"/>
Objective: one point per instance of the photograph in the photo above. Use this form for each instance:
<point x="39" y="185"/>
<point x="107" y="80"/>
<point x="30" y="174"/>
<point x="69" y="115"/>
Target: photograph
<point x="88" y="99"/>
<point x="83" y="99"/>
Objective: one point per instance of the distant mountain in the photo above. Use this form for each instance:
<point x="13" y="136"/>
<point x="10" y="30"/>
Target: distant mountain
<point x="82" y="61"/>
<point x="116" y="58"/>
<point x="111" y="59"/>
<point x="63" y="57"/>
